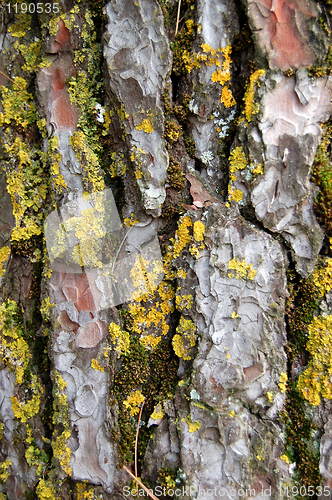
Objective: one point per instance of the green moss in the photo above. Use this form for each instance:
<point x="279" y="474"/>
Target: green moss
<point x="182" y="44"/>
<point x="190" y="145"/>
<point x="322" y="177"/>
<point x="166" y="479"/>
<point x="173" y="131"/>
<point x="60" y="419"/>
<point x="175" y="175"/>
<point x="300" y="307"/>
<point x="133" y="374"/>
<point x="300" y="445"/>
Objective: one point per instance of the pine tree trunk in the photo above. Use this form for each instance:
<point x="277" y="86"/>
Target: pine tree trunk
<point x="165" y="256"/>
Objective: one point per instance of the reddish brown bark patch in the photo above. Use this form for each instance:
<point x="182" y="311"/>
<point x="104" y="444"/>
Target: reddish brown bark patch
<point x="91" y="334"/>
<point x="281" y="31"/>
<point x="252" y="372"/>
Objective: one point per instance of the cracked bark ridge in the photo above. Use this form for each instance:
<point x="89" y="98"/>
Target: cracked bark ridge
<point x="239" y="361"/>
<point x="77" y="340"/>
<point x="219" y="25"/>
<point x="138" y="61"/>
<point x="61" y="117"/>
<point x="287" y="32"/>
<point x="289" y="131"/>
<point x="244" y="351"/>
<point x="79" y="324"/>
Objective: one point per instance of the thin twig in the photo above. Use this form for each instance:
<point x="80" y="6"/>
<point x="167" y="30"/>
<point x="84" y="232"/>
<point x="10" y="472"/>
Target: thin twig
<point x="178" y="18"/>
<point x="11" y="80"/>
<point x="141" y="484"/>
<point x="136" y="440"/>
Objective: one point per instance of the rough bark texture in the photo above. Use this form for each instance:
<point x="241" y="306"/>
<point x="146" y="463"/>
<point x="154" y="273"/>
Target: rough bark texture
<point x="165" y="236"/>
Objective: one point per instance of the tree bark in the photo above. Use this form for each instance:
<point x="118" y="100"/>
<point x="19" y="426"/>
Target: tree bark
<point x="165" y="194"/>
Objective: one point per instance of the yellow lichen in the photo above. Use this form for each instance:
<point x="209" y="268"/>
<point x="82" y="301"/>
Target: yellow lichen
<point x="133" y="402"/>
<point x="26" y="182"/>
<point x="158" y="412"/>
<point x="14" y="350"/>
<point x="237" y="160"/>
<point x="269" y="396"/>
<point x="251" y="108"/>
<point x="46" y="490"/>
<point x="316" y="379"/>
<point x="181" y="273"/>
<point x="120" y="338"/>
<point x="221" y="58"/>
<point x="183" y="302"/>
<point x="182" y="236"/>
<point x="322" y="278"/>
<point x="83" y="493"/>
<point x="130" y="221"/>
<point x="4" y="254"/>
<point x="24" y="411"/>
<point x="192" y="426"/>
<point x="88" y="159"/>
<point x="96" y="366"/>
<point x="198" y="230"/>
<point x="285" y="459"/>
<point x="145" y="125"/>
<point x="184" y="339"/>
<point x="258" y="170"/>
<point x="283" y="381"/>
<point x="60" y="416"/>
<point x="227" y="98"/>
<point x="234" y="194"/>
<point x="46" y="308"/>
<point x="242" y="270"/>
<point x="4" y="470"/>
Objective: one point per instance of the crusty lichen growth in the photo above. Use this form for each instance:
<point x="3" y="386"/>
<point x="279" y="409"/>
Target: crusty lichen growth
<point x="242" y="270"/>
<point x="192" y="426"/>
<point x="198" y="230"/>
<point x="14" y="350"/>
<point x="88" y="159"/>
<point x="182" y="236"/>
<point x="221" y="58"/>
<point x="283" y="382"/>
<point x="96" y="365"/>
<point x="4" y="254"/>
<point x="120" y="339"/>
<point x="84" y="492"/>
<point x="60" y="417"/>
<point x="250" y="106"/>
<point x="24" y="411"/>
<point x="4" y="470"/>
<point x="26" y="180"/>
<point x="315" y="381"/>
<point x="150" y="313"/>
<point x="46" y="490"/>
<point x="185" y="338"/>
<point x="322" y="278"/>
<point x="146" y="126"/>
<point x="237" y="162"/>
<point x="133" y="402"/>
<point x="45" y="308"/>
<point x="157" y="413"/>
